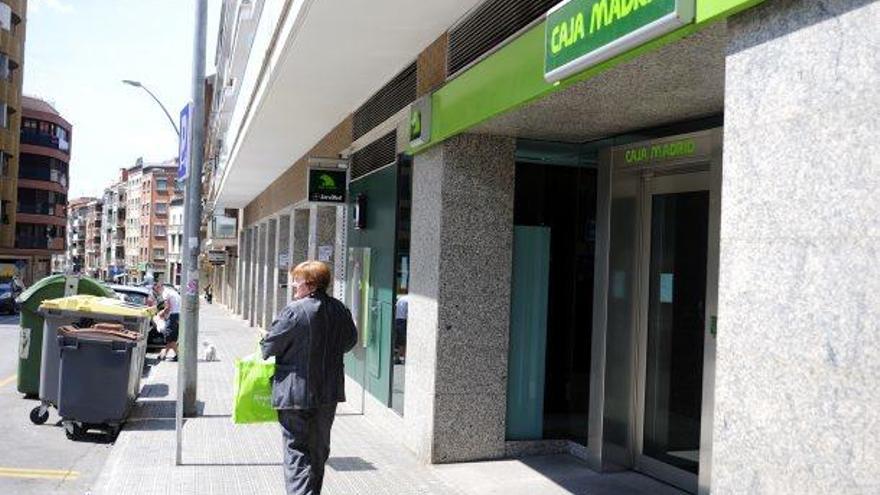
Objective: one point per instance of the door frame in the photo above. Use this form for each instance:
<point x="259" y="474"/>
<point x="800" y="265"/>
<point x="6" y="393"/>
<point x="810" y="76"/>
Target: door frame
<point x="651" y="185"/>
<point x="658" y="158"/>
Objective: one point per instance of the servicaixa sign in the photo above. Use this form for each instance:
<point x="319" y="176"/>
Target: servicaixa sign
<point x="327" y="185"/>
<point x="582" y="33"/>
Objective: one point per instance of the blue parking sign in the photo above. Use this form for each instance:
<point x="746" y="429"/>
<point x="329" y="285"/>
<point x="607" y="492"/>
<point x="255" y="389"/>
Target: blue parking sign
<point x="183" y="151"/>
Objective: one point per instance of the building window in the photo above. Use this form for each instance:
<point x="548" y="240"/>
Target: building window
<point x="63" y="138"/>
<point x="5" y="17"/>
<point x="38" y="201"/>
<point x="159" y="231"/>
<point x="158" y="254"/>
<point x="162" y="185"/>
<point x="4" y="114"/>
<point x="5" y="69"/>
<point x="161" y="208"/>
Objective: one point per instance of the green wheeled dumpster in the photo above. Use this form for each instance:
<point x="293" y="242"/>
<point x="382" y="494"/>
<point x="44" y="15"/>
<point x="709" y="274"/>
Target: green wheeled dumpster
<point x="30" y="344"/>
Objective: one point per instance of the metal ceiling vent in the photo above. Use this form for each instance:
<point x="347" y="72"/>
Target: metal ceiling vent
<point x="398" y="93"/>
<point x="374" y="156"/>
<point x="488" y="25"/>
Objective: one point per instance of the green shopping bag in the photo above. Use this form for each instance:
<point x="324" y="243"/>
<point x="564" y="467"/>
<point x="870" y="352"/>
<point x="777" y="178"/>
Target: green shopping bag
<point x="253" y="390"/>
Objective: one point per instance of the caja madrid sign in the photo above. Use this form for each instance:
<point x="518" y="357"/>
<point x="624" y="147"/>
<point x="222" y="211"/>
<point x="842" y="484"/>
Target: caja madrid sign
<point x="583" y="33"/>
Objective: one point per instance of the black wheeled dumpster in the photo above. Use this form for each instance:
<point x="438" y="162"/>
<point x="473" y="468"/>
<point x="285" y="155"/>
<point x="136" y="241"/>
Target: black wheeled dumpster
<point x="80" y="312"/>
<point x="99" y="377"/>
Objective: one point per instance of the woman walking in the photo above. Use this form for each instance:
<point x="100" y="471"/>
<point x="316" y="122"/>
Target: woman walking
<point x="308" y="339"/>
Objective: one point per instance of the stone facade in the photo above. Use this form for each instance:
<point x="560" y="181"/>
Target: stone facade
<point x="462" y="241"/>
<point x="799" y="299"/>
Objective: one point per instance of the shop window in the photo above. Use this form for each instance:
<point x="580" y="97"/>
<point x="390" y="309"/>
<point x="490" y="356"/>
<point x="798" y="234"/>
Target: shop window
<point x="562" y="200"/>
<point x="401" y="283"/>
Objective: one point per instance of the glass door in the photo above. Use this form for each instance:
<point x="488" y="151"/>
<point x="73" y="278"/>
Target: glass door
<point x="673" y="316"/>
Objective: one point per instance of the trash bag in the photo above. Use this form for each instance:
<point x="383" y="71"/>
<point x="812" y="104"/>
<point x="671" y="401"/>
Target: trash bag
<point x="253" y="390"/>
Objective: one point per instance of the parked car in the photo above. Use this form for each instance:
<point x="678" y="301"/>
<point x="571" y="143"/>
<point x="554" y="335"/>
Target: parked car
<point x="141" y="296"/>
<point x="9" y="291"/>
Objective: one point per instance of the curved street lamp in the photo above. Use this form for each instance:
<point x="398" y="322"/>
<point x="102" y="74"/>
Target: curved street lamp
<point x="137" y="84"/>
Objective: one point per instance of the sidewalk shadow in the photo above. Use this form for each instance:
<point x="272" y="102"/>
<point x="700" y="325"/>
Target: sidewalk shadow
<point x="150" y="424"/>
<point x="156" y="390"/>
<point x="159" y="408"/>
<point x="343" y="464"/>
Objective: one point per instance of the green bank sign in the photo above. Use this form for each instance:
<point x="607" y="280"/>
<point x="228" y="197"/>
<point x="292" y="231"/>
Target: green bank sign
<point x="583" y="33"/>
<point x="327" y="185"/>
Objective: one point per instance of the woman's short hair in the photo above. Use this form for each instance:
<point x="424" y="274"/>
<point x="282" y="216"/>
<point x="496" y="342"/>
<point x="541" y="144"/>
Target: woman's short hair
<point x="315" y="274"/>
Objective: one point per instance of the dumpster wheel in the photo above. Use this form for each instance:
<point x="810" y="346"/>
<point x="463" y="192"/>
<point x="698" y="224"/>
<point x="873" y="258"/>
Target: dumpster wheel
<point x="39" y="415"/>
<point x="73" y="430"/>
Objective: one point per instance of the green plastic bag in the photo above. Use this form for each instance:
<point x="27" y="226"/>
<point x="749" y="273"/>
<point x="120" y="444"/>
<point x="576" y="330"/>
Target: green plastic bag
<point x="253" y="390"/>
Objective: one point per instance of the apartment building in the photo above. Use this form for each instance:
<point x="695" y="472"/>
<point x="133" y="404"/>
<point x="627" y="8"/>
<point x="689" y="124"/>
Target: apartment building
<point x="75" y="256"/>
<point x="157" y="188"/>
<point x="93" y="227"/>
<point x="175" y="240"/>
<point x="12" y="32"/>
<point x="133" y="221"/>
<point x="113" y="234"/>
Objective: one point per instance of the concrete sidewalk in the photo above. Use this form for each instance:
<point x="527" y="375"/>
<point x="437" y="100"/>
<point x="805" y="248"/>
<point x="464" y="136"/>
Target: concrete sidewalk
<point x="222" y="458"/>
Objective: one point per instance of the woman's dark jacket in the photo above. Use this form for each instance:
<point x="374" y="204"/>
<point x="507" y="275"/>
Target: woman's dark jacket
<point x="308" y="340"/>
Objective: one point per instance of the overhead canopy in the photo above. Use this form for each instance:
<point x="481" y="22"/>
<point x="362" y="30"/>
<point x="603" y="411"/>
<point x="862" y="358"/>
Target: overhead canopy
<point x="336" y="55"/>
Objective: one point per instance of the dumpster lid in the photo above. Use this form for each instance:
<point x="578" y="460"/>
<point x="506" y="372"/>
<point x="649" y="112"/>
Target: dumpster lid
<point x="40" y="285"/>
<point x="95" y="304"/>
<point x="100" y="332"/>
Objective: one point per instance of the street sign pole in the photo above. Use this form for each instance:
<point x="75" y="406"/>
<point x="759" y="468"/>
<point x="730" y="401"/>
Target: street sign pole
<point x="187" y="373"/>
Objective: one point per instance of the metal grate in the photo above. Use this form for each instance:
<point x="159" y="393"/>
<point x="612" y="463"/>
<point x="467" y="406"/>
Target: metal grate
<point x="488" y="25"/>
<point x="398" y="93"/>
<point x="374" y="156"/>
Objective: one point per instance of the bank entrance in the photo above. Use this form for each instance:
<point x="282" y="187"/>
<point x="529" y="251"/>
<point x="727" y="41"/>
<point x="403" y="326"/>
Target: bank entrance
<point x="613" y="298"/>
<point x="664" y="212"/>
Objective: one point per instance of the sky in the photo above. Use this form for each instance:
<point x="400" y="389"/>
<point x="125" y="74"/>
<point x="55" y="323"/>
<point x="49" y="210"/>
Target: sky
<point x="77" y="52"/>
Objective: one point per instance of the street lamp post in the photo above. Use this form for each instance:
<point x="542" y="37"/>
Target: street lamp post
<point x="137" y="84"/>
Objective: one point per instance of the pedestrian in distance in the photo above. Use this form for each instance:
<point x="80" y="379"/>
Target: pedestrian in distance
<point x="168" y="303"/>
<point x="308" y="339"/>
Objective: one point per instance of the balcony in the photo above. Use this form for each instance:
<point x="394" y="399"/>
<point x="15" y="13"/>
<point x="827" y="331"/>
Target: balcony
<point x="39" y="242"/>
<point x="40" y="209"/>
<point x="39" y="139"/>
